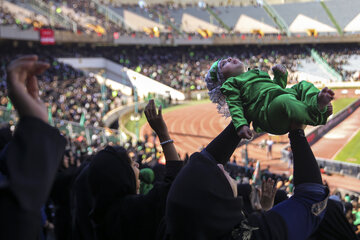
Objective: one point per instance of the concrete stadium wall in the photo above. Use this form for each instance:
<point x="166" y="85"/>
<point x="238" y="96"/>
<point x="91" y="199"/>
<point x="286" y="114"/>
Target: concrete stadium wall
<point x="117" y="113"/>
<point x="334" y="166"/>
<point x="144" y="85"/>
<point x="13" y="32"/>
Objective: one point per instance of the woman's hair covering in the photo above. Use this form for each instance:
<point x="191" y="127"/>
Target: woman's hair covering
<point x="334" y="226"/>
<point x="280" y="196"/>
<point x="5" y="136"/>
<point x="214" y="80"/>
<point x="201" y="203"/>
<point x="244" y="190"/>
<point x="147" y="177"/>
<point x="111" y="178"/>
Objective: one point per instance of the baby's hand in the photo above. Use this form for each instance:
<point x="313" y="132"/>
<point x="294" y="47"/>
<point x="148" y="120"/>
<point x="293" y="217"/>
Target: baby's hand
<point x="245" y="132"/>
<point x="279" y="68"/>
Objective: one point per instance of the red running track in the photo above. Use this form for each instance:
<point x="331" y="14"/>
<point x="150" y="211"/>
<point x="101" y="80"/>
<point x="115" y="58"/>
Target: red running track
<point x="195" y="126"/>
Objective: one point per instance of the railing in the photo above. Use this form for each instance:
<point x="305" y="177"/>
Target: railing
<point x="276" y="17"/>
<point x="221" y="22"/>
<point x="316" y="56"/>
<point x="54" y="17"/>
<point x="111" y="14"/>
<point x="332" y="18"/>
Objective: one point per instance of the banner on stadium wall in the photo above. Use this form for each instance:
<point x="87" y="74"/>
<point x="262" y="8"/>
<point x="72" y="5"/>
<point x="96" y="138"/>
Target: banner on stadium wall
<point x="47" y="37"/>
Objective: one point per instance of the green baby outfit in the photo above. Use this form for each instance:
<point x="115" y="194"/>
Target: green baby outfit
<point x="254" y="97"/>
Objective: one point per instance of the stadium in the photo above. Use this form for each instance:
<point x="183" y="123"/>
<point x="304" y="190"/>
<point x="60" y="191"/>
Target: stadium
<point x="108" y="58"/>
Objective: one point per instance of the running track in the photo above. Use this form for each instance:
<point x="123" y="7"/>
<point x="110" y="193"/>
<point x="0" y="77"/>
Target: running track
<point x="195" y="126"/>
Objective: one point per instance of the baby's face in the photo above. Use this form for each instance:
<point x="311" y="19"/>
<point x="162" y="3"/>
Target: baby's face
<point x="231" y="67"/>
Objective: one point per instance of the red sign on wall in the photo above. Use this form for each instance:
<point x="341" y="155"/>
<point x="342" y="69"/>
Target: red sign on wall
<point x="47" y="37"/>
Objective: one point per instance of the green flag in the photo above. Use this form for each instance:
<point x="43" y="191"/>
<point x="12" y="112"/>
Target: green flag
<point x="50" y="119"/>
<point x="9" y="105"/>
<point x="82" y="120"/>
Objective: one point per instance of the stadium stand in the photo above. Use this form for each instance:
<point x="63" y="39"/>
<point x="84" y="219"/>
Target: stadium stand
<point x="146" y="41"/>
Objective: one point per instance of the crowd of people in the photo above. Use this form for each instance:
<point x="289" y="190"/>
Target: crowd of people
<point x="45" y="188"/>
<point x="71" y="94"/>
<point x="7" y="18"/>
<point x="89" y="19"/>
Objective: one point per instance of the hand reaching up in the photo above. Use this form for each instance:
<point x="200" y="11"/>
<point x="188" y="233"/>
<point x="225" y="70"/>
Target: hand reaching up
<point x="23" y="87"/>
<point x="155" y="119"/>
<point x="157" y="123"/>
<point x="278" y="68"/>
<point x="268" y="191"/>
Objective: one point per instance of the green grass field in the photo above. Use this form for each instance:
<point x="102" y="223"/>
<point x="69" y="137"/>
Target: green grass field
<point x="131" y="125"/>
<point x="350" y="153"/>
<point x="341" y="103"/>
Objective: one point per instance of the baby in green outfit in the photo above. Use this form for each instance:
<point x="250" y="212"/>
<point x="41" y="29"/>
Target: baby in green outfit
<point x="252" y="96"/>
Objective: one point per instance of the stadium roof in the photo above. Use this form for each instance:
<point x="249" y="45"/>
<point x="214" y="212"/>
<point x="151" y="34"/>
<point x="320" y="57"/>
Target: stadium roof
<point x="354" y="25"/>
<point x="344" y="11"/>
<point x="246" y="24"/>
<point x="138" y="22"/>
<point x="190" y="23"/>
<point x="303" y="23"/>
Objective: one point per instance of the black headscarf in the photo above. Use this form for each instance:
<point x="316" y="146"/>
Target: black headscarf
<point x="111" y="178"/>
<point x="118" y="212"/>
<point x="201" y="204"/>
<point x="244" y="190"/>
<point x="334" y="226"/>
<point x="280" y="196"/>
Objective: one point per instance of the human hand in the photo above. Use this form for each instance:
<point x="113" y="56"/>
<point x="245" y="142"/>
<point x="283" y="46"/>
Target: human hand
<point x="268" y="191"/>
<point x="155" y="119"/>
<point x="245" y="132"/>
<point x="23" y="89"/>
<point x="279" y="68"/>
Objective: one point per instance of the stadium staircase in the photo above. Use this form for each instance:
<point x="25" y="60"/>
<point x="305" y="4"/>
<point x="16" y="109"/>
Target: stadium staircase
<point x="218" y="19"/>
<point x="110" y="14"/>
<point x="279" y="21"/>
<point x="54" y="17"/>
<point x="318" y="59"/>
<point x="333" y="20"/>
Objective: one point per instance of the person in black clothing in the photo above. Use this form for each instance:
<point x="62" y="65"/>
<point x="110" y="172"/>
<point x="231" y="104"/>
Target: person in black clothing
<point x="81" y="205"/>
<point x="118" y="211"/>
<point x="334" y="226"/>
<point x="30" y="160"/>
<point x="201" y="202"/>
<point x="60" y="195"/>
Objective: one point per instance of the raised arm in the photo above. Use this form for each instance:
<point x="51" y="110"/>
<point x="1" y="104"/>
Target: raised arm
<point x="23" y="86"/>
<point x="31" y="158"/>
<point x="233" y="100"/>
<point x="157" y="123"/>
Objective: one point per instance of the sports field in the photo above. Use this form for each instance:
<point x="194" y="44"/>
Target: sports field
<point x="351" y="152"/>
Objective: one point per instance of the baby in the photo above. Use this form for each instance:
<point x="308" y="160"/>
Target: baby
<point x="251" y="96"/>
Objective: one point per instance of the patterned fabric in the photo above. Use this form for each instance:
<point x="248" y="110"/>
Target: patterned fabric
<point x="214" y="79"/>
<point x="244" y="231"/>
<point x="318" y="208"/>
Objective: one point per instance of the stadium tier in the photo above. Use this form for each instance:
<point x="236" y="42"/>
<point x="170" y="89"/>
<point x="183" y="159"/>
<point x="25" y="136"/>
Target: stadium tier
<point x="111" y="131"/>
